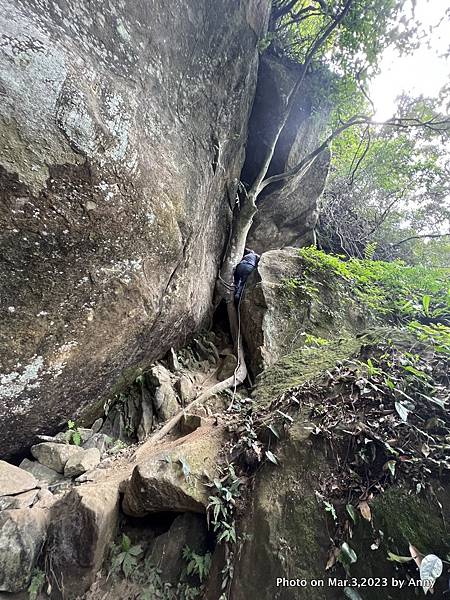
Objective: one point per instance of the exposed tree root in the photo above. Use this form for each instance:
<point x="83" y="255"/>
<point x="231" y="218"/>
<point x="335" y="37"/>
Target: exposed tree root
<point x="236" y="379"/>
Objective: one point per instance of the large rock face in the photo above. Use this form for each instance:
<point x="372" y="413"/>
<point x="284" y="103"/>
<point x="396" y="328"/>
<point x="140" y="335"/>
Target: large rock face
<point x="122" y="126"/>
<point x="287" y="212"/>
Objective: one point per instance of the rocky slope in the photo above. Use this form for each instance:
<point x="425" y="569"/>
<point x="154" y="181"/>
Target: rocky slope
<point x="344" y="440"/>
<point x="124" y="126"/>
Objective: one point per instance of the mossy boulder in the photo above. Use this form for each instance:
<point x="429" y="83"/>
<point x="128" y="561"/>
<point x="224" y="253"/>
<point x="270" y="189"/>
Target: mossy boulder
<point x="283" y="308"/>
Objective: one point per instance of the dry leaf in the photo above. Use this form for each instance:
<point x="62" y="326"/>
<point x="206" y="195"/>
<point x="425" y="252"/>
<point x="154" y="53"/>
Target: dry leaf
<point x="334" y="552"/>
<point x="365" y="511"/>
<point x="417" y="556"/>
<point x="426" y="450"/>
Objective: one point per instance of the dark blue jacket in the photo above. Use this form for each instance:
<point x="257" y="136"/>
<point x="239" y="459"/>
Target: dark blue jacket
<point x="251" y="258"/>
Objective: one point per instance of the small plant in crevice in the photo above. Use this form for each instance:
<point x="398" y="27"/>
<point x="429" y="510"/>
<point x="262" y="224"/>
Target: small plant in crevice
<point x="314" y="341"/>
<point x="197" y="564"/>
<point x="124" y="557"/>
<point x="221" y="508"/>
<point x="249" y="453"/>
<point x="73" y="436"/>
<point x="133" y="563"/>
<point x="36" y="584"/>
<point x="221" y="515"/>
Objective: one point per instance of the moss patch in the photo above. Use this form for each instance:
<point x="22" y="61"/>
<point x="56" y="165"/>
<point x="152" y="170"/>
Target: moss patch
<point x="302" y="365"/>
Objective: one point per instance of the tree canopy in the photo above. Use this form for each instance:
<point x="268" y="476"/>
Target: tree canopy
<point x="388" y="191"/>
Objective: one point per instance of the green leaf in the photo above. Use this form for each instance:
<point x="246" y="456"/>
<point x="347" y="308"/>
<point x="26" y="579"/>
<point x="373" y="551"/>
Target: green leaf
<point x="347" y="555"/>
<point x="390" y="465"/>
<point x="76" y="438"/>
<point x="126" y="543"/>
<point x="135" y="550"/>
<point x="271" y="457"/>
<point x="400" y="559"/>
<point x="352" y="594"/>
<point x="351" y="512"/>
<point x="330" y="508"/>
<point x="285" y="416"/>
<point x="274" y="431"/>
<point x="128" y="565"/>
<point x="426" y="304"/>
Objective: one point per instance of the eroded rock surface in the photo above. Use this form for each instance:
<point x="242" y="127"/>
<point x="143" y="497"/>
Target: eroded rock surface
<point x="173" y="479"/>
<point x="54" y="455"/>
<point x="22" y="535"/>
<point x="83" y="525"/>
<point x="120" y="149"/>
<point x="166" y="553"/>
<point x="287" y="535"/>
<point x="14" y="480"/>
<point x="82" y="462"/>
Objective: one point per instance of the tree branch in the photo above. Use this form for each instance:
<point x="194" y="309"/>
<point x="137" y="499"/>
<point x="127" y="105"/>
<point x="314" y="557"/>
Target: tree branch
<point x="417" y="237"/>
<point x="319" y="42"/>
<point x="307" y="161"/>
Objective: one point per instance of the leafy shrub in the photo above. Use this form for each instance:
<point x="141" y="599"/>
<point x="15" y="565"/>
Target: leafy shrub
<point x="396" y="291"/>
<point x="36" y="584"/>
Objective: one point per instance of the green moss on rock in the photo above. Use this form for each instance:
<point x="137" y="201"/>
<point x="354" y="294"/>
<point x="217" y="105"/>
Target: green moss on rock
<point x="302" y="365"/>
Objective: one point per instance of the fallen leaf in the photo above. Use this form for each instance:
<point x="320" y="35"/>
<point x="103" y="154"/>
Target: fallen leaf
<point x="334" y="553"/>
<point x="425" y="450"/>
<point x="390" y="466"/>
<point x="430" y="569"/>
<point x="416" y="555"/>
<point x="365" y="511"/>
<point x="400" y="559"/>
<point x="351" y="511"/>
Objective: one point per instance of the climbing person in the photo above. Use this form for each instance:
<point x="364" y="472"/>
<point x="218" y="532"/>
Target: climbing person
<point x="248" y="264"/>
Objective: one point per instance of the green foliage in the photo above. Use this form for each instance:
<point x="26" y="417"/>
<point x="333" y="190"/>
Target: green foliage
<point x="396" y="291"/>
<point x="197" y="564"/>
<point x="436" y="334"/>
<point x="36" y="584"/>
<point x="148" y="577"/>
<point x="125" y="557"/>
<point x="134" y="563"/>
<point x="330" y="508"/>
<point x="367" y="29"/>
<point x="314" y="341"/>
<point x="117" y="447"/>
<point x="347" y="556"/>
<point x="387" y="185"/>
<point x="221" y="507"/>
<point x="265" y="42"/>
<point x="72" y="434"/>
<point x="294" y="285"/>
